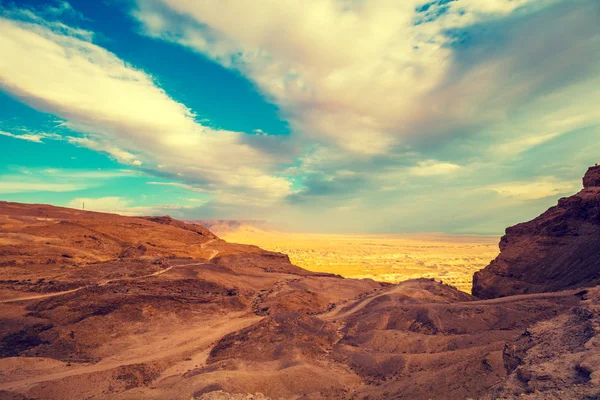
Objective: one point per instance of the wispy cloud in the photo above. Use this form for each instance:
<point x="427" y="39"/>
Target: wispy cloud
<point x="28" y="180"/>
<point x="432" y="167"/>
<point x="123" y="111"/>
<point x="545" y="187"/>
<point x="123" y="206"/>
<point x="32" y="137"/>
<point x="8" y="187"/>
<point x="59" y="173"/>
<point x="118" y="154"/>
<point x="178" y="185"/>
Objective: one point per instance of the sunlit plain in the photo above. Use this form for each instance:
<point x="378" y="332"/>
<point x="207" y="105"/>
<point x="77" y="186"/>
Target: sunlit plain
<point x="388" y="258"/>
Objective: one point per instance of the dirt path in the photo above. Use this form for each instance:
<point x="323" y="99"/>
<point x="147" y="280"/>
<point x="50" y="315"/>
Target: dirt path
<point x="548" y="295"/>
<point x="338" y="313"/>
<point x="214" y="252"/>
<point x="102" y="283"/>
<point x="196" y="340"/>
<point x="261" y="297"/>
<point x="41" y="296"/>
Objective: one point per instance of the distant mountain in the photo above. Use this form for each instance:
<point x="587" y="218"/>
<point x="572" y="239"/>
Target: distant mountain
<point x="558" y="250"/>
<point x="230" y="225"/>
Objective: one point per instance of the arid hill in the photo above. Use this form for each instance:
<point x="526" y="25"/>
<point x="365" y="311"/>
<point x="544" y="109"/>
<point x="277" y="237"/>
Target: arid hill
<point x="100" y="306"/>
<point x="558" y="250"/>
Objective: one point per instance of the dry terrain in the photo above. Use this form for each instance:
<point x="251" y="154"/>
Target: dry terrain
<point x="387" y="258"/>
<point x="101" y="306"/>
<point x="557" y="250"/>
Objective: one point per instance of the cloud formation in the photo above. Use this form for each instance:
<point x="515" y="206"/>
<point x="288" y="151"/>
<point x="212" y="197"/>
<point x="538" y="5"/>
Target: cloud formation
<point x="122" y="110"/>
<point x="405" y="115"/>
<point x="431" y="167"/>
<point x="545" y="187"/>
<point x="54" y="180"/>
<point x="406" y="94"/>
<point x="368" y="76"/>
<point x="31" y="137"/>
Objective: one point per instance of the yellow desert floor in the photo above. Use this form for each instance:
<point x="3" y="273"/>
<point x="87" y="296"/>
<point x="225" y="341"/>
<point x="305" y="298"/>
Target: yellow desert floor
<point x="389" y="258"/>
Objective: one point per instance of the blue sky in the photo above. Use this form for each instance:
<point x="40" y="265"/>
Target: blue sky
<point x="323" y="115"/>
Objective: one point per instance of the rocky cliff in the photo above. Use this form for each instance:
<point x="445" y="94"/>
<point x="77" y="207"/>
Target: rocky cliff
<point x="558" y="250"/>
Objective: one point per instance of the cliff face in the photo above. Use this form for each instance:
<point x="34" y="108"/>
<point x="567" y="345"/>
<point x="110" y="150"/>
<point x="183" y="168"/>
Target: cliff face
<point x="558" y="250"/>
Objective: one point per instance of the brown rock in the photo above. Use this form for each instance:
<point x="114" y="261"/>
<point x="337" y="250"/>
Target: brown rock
<point x="558" y="250"/>
<point x="592" y="177"/>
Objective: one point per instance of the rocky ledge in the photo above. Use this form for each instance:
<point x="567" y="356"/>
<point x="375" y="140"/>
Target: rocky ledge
<point x="558" y="250"/>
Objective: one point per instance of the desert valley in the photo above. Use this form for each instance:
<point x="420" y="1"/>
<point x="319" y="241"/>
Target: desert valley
<point x="299" y="200"/>
<point x="103" y="306"/>
<point x="388" y="258"/>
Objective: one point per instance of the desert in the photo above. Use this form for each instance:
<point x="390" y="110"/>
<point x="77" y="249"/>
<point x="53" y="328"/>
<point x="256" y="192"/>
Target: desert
<point x="299" y="200"/>
<point x="451" y="259"/>
<point x="110" y="307"/>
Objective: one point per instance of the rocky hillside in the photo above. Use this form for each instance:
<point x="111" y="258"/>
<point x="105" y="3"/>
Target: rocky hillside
<point x="558" y="250"/>
<point x="100" y="306"/>
<point x="36" y="234"/>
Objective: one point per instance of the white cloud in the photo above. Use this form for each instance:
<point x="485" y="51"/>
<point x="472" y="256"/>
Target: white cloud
<point x="123" y="110"/>
<point x="32" y="137"/>
<point x="7" y="187"/>
<point x="123" y="156"/>
<point x="194" y="200"/>
<point x="364" y="75"/>
<point x="540" y="189"/>
<point x="120" y="155"/>
<point x="58" y="173"/>
<point x="432" y="167"/>
<point x="55" y="180"/>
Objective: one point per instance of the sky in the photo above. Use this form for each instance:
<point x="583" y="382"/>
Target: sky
<point x="350" y="116"/>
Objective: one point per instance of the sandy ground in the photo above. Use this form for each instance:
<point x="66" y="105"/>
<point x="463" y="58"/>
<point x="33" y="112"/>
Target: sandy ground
<point x="388" y="258"/>
<point x="193" y="341"/>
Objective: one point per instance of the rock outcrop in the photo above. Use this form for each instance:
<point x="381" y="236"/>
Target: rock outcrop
<point x="558" y="250"/>
<point x="556" y="358"/>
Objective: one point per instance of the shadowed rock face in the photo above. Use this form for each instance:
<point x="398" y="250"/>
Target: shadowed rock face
<point x="558" y="250"/>
<point x="592" y="177"/>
